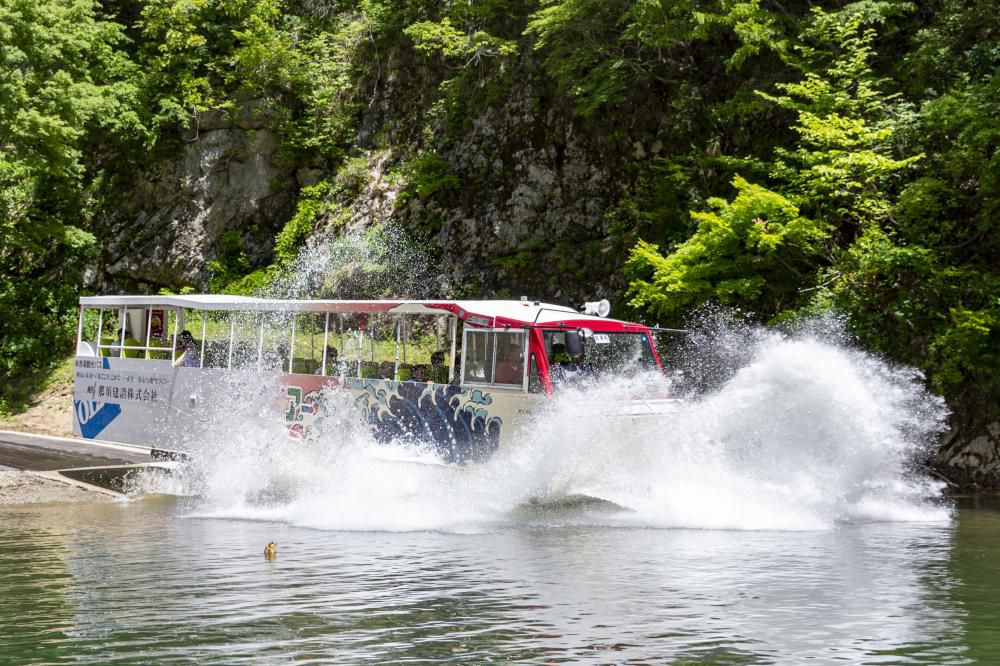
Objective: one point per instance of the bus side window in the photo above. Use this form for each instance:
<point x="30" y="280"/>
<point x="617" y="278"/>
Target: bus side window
<point x="508" y="369"/>
<point x="478" y="365"/>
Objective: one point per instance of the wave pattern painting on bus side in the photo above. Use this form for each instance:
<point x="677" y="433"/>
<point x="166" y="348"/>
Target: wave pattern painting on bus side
<point x="453" y="420"/>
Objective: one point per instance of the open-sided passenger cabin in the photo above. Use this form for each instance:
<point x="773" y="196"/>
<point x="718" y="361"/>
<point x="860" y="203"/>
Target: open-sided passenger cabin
<point x="484" y="358"/>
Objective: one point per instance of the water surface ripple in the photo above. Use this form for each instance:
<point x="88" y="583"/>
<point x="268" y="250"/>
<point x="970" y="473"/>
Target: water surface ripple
<point x="147" y="582"/>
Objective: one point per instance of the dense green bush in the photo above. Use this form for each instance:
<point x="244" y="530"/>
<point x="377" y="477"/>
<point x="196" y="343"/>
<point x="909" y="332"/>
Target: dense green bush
<point x="63" y="80"/>
<point x="902" y="193"/>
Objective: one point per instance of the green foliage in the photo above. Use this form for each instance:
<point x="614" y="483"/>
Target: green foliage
<point x="63" y="82"/>
<point x="755" y="28"/>
<point x="180" y="36"/>
<point x="957" y="45"/>
<point x="753" y="252"/>
<point x="312" y="205"/>
<point x="427" y="175"/>
<point x="444" y="38"/>
<point x="843" y="157"/>
<point x="834" y="172"/>
<point x="266" y="57"/>
<point x="958" y="198"/>
<point x="325" y="101"/>
<point x="922" y="288"/>
<point x="897" y="198"/>
<point x="906" y="302"/>
<point x="195" y="51"/>
<point x="600" y="50"/>
<point x="203" y="55"/>
<point x="519" y="261"/>
<point x="469" y="48"/>
<point x="596" y="75"/>
<point x="62" y="72"/>
<point x="969" y="348"/>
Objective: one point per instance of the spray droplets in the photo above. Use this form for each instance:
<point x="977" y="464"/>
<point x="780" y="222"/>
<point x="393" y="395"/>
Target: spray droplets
<point x="803" y="433"/>
<point x="379" y="262"/>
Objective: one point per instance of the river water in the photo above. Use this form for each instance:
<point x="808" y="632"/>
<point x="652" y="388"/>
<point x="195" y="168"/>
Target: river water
<point x="777" y="518"/>
<point x="147" y="581"/>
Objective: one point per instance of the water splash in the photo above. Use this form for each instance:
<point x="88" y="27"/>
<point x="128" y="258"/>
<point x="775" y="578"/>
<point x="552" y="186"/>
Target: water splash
<point x="360" y="264"/>
<point x="801" y="432"/>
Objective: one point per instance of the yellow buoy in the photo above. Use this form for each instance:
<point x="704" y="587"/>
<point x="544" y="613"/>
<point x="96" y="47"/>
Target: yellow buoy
<point x="270" y="551"/>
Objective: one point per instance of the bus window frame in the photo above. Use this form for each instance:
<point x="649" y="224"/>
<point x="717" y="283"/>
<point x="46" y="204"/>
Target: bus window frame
<point x="525" y="334"/>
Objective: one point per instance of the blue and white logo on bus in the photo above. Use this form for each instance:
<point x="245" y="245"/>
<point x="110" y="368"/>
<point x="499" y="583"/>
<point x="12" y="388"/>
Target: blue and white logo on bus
<point x="93" y="416"/>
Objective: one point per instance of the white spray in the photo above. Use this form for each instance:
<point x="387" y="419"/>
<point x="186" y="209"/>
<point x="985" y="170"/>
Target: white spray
<point x="776" y="431"/>
<point x="804" y="433"/>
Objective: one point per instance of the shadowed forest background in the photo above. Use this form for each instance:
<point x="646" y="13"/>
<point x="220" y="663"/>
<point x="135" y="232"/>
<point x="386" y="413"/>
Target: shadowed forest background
<point x="786" y="158"/>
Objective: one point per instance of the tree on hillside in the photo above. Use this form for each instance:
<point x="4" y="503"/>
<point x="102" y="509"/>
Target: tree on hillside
<point x="602" y="51"/>
<point x="762" y="251"/>
<point x="925" y="289"/>
<point x="61" y="79"/>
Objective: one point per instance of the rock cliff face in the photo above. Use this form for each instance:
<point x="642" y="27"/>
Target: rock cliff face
<point x="521" y="203"/>
<point x="530" y="213"/>
<point x="969" y="457"/>
<point x="225" y="175"/>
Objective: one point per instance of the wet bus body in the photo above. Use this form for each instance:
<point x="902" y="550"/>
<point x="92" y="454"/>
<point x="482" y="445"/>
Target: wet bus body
<point x="460" y="376"/>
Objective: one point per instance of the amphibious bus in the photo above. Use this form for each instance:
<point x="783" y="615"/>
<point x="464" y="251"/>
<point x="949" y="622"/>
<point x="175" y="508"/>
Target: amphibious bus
<point x="460" y="376"/>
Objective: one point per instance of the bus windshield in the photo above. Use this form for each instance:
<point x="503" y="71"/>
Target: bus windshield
<point x="598" y="354"/>
<point x="619" y="353"/>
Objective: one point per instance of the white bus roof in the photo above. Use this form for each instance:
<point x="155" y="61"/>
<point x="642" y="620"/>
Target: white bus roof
<point x="528" y="312"/>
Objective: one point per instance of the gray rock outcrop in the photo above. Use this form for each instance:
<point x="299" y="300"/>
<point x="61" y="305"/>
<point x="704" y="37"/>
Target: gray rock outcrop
<point x="225" y="176"/>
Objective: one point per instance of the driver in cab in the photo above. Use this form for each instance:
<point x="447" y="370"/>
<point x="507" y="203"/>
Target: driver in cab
<point x="567" y="367"/>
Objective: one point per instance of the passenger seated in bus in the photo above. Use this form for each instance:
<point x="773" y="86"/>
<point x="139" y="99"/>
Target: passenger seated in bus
<point x="189" y="352"/>
<point x="419" y="373"/>
<point x="457" y="379"/>
<point x="387" y="369"/>
<point x="331" y="363"/>
<point x="438" y="372"/>
<point x="509" y="368"/>
<point x="114" y="340"/>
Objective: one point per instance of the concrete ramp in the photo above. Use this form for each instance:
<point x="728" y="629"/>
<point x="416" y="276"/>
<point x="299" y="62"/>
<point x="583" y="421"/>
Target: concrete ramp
<point x="39" y="453"/>
<point x="101" y="467"/>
